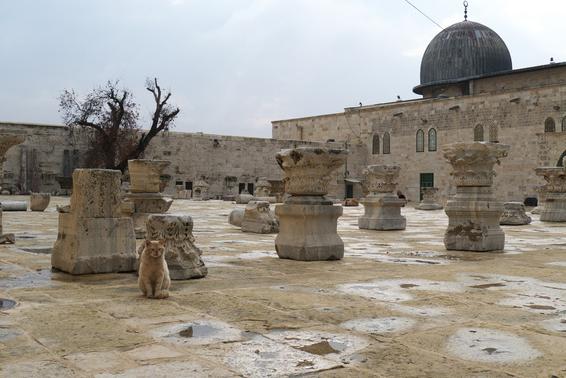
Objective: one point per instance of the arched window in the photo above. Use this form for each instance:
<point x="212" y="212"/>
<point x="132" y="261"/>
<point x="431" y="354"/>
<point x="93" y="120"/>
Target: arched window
<point x="386" y="143"/>
<point x="493" y="134"/>
<point x="549" y="125"/>
<point x="564" y="123"/>
<point x="478" y="133"/>
<point x="420" y="141"/>
<point x="432" y="140"/>
<point x="375" y="145"/>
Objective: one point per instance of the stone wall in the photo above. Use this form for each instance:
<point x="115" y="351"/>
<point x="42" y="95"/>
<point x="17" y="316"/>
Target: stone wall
<point x="514" y="117"/>
<point x="53" y="151"/>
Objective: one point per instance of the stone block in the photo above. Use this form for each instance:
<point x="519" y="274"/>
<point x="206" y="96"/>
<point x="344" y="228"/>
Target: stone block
<point x="96" y="193"/>
<point x="382" y="213"/>
<point x="236" y="217"/>
<point x="94" y="245"/>
<point x="309" y="232"/>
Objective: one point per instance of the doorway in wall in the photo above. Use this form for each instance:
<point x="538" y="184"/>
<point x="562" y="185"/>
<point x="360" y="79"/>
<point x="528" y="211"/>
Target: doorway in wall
<point x="427" y="181"/>
<point x="349" y="190"/>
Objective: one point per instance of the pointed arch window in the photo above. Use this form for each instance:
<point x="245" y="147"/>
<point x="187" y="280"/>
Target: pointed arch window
<point x="493" y="134"/>
<point x="564" y="123"/>
<point x="386" y="143"/>
<point x="375" y="145"/>
<point x="549" y="125"/>
<point x="420" y="141"/>
<point x="478" y="133"/>
<point x="432" y="140"/>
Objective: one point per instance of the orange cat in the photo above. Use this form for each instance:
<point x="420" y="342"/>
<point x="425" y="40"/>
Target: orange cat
<point x="154" y="278"/>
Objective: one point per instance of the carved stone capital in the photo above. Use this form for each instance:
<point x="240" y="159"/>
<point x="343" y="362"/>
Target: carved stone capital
<point x="381" y="179"/>
<point x="308" y="169"/>
<point x="473" y="162"/>
<point x="555" y="178"/>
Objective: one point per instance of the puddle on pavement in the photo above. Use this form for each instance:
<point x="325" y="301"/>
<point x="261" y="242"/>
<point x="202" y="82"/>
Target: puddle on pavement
<point x="40" y="250"/>
<point x="555" y="325"/>
<point x="488" y="345"/>
<point x="262" y="357"/>
<point x="488" y="285"/>
<point x="6" y="304"/>
<point x="7" y="334"/>
<point x="198" y="332"/>
<point x="379" y="325"/>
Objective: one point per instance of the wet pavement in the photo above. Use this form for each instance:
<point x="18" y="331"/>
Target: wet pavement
<point x="398" y="304"/>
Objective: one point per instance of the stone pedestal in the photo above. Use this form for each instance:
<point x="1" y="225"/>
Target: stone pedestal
<point x="259" y="219"/>
<point x="474" y="213"/>
<point x="308" y="220"/>
<point x="182" y="255"/>
<point x="554" y="207"/>
<point x="263" y="191"/>
<point x="514" y="214"/>
<point x="145" y="197"/>
<point x="429" y="201"/>
<point x="200" y="190"/>
<point x="541" y="198"/>
<point x="39" y="201"/>
<point x="93" y="237"/>
<point x="7" y="141"/>
<point x="382" y="208"/>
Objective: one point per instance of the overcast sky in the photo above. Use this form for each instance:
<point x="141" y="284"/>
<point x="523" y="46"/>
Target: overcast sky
<point x="235" y="65"/>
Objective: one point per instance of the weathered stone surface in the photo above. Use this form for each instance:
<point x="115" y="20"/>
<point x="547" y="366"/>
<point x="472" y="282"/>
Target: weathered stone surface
<point x="514" y="214"/>
<point x="236" y="217"/>
<point x="259" y="219"/>
<point x="541" y="191"/>
<point x="262" y="188"/>
<point x="474" y="213"/>
<point x="39" y="201"/>
<point x="200" y="190"/>
<point x="244" y="197"/>
<point x="307" y="220"/>
<point x="182" y="255"/>
<point x="382" y="208"/>
<point x="92" y="237"/>
<point x="14" y="206"/>
<point x="145" y="175"/>
<point x="429" y="201"/>
<point x="554" y="207"/>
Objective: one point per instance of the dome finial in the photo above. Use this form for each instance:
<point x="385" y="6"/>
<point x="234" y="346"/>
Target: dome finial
<point x="465" y="10"/>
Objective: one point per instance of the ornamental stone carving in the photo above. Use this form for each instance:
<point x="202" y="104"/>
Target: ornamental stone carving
<point x="473" y="163"/>
<point x="429" y="201"/>
<point x="262" y="188"/>
<point x="554" y="206"/>
<point x="182" y="255"/>
<point x="259" y="219"/>
<point x="308" y="220"/>
<point x="93" y="236"/>
<point x="382" y="207"/>
<point x="514" y="214"/>
<point x="200" y="190"/>
<point x="308" y="169"/>
<point x="474" y="213"/>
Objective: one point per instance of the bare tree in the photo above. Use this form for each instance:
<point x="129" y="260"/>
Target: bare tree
<point x="111" y="118"/>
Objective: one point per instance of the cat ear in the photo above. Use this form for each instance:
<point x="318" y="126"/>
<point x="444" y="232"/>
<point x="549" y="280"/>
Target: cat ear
<point x="145" y="243"/>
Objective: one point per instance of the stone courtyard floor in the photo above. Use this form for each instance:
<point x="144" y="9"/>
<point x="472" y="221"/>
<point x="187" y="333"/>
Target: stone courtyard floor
<point x="398" y="305"/>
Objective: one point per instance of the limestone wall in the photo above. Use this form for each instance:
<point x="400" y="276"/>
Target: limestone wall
<point x="514" y="117"/>
<point x="52" y="151"/>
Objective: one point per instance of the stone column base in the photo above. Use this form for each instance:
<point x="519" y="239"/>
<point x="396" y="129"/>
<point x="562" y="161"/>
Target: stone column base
<point x="94" y="245"/>
<point x="382" y="213"/>
<point x="308" y="232"/>
<point x="554" y="209"/>
<point x="473" y="221"/>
